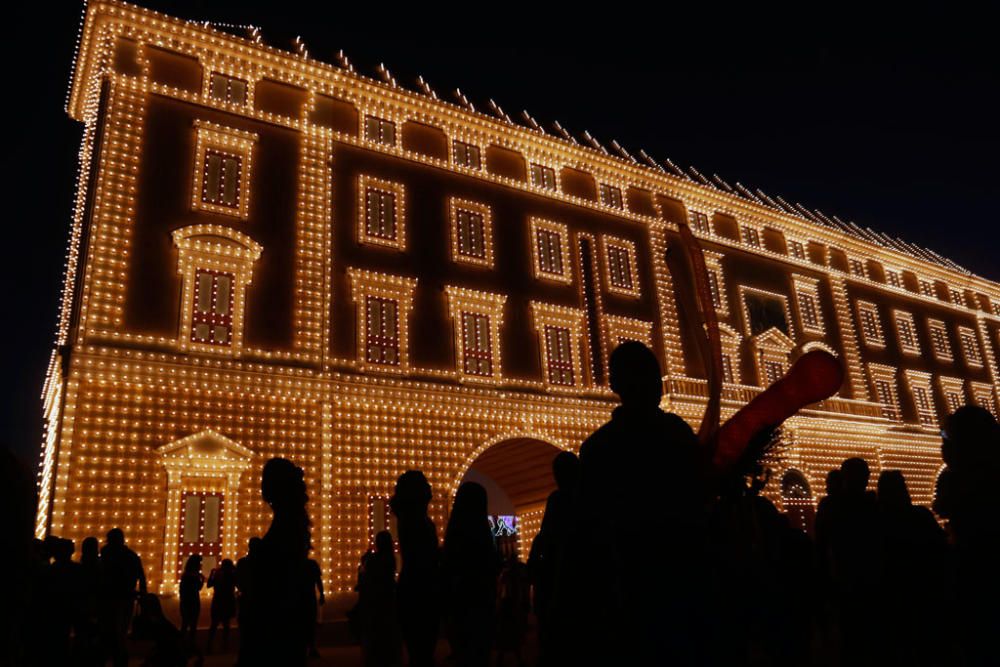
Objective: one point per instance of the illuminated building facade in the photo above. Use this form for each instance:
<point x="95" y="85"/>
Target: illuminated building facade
<point x="271" y="255"/>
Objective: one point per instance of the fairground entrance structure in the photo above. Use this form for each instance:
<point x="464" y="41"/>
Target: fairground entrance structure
<point x="272" y="255"/>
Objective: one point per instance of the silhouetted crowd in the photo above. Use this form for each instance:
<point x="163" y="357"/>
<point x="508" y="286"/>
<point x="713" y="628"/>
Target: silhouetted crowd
<point x="646" y="555"/>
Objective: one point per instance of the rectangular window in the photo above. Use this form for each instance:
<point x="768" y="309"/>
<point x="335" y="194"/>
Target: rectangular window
<point x="381" y="331"/>
<point x="956" y="297"/>
<point x="714" y="288"/>
<point x="893" y="278"/>
<point x="380" y="130"/>
<point x="228" y="89"/>
<point x="212" y="319"/>
<point x="700" y="222"/>
<point x="466" y="155"/>
<point x="543" y="177"/>
<point x="939" y="340"/>
<point x="380" y="214"/>
<point x="773" y="371"/>
<point x="907" y="332"/>
<point x="887" y="397"/>
<point x="620" y="267"/>
<point x="549" y="251"/>
<point x="810" y="311"/>
<point x="925" y="409"/>
<point x="220" y="183"/>
<point x="559" y="355"/>
<point x="728" y="373"/>
<point x="871" y="328"/>
<point x="954" y="399"/>
<point x="751" y="236"/>
<point x="477" y="352"/>
<point x="970" y="346"/>
<point x="926" y="288"/>
<point x="611" y="196"/>
<point x="796" y="249"/>
<point x="857" y="268"/>
<point x="471" y="231"/>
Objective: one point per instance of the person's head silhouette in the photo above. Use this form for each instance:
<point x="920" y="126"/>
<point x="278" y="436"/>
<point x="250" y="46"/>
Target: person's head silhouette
<point x="856" y="475"/>
<point x="892" y="491"/>
<point x="635" y="375"/>
<point x="834" y="482"/>
<point x="193" y="565"/>
<point x="566" y="470"/>
<point x="412" y="494"/>
<point x="88" y="550"/>
<point x="971" y="437"/>
<point x="253" y="546"/>
<point x="383" y="542"/>
<point x="282" y="485"/>
<point x="116" y="537"/>
<point x="469" y="511"/>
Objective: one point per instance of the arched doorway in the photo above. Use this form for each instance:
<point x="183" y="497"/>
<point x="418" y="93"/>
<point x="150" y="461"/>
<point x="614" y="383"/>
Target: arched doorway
<point x="517" y="475"/>
<point x="797" y="500"/>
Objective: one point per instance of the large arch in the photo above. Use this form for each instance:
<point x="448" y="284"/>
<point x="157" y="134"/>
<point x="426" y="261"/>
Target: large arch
<point x="517" y="474"/>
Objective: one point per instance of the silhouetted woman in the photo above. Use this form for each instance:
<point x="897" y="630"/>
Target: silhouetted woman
<point x="380" y="643"/>
<point x="222" y="581"/>
<point x="191" y="584"/>
<point x="279" y="573"/>
<point x="470" y="577"/>
<point x="417" y="591"/>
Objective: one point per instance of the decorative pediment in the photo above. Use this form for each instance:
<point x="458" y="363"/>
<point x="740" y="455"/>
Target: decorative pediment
<point x="206" y="453"/>
<point x="216" y="240"/>
<point x="774" y="338"/>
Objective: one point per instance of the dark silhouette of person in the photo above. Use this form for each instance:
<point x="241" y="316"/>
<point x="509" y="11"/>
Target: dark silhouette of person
<point x="62" y="593"/>
<point x="470" y="567"/>
<point x="222" y="581"/>
<point x="167" y="646"/>
<point x="121" y="575"/>
<point x="192" y="581"/>
<point x="86" y="644"/>
<point x="914" y="548"/>
<point x="245" y="607"/>
<point x="418" y="588"/>
<point x="642" y="489"/>
<point x="316" y="581"/>
<point x="547" y="547"/>
<point x="856" y="564"/>
<point x="966" y="496"/>
<point x="513" y="605"/>
<point x="279" y="574"/>
<point x="20" y="605"/>
<point x="378" y="628"/>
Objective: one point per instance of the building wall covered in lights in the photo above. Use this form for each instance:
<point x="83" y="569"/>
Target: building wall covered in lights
<point x="272" y="255"/>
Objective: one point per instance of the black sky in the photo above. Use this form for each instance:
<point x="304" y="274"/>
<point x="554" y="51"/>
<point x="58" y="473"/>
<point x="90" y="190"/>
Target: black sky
<point x="888" y="119"/>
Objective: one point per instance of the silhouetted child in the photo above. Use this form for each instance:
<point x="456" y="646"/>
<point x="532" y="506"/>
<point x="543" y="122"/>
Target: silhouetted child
<point x="418" y="593"/>
<point x="191" y="584"/>
<point x="512" y="609"/>
<point x="222" y="581"/>
<point x="121" y="574"/>
<point x="316" y="579"/>
<point x="379" y="630"/>
<point x="470" y="568"/>
<point x="547" y="547"/>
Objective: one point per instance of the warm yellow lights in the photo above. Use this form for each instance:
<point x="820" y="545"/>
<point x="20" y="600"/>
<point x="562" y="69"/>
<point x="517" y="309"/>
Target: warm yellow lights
<point x="223" y="170"/>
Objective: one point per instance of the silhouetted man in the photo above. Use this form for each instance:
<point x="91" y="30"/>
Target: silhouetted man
<point x="633" y="573"/>
<point x="121" y="572"/>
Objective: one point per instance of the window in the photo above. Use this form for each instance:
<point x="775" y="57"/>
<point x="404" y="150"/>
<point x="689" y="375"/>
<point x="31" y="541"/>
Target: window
<point x="772" y="350"/>
<point x="956" y="297"/>
<point x="773" y="371"/>
<point x="212" y="319"/>
<point x="716" y="281"/>
<point x="983" y="395"/>
<point x="619" y="257"/>
<point x="471" y="233"/>
<point x="884" y="387"/>
<point x="466" y="155"/>
<point x="222" y="170"/>
<point x="751" y="236"/>
<point x="227" y="89"/>
<point x="381" y="331"/>
<point x="477" y="317"/>
<point x="560" y="330"/>
<point x="611" y="196"/>
<point x="906" y="330"/>
<point x="920" y="389"/>
<point x="216" y="266"/>
<point x="551" y="240"/>
<point x="970" y="346"/>
<point x="380" y="130"/>
<point x="728" y="372"/>
<point x="927" y="289"/>
<point x="381" y="207"/>
<point x="384" y="303"/>
<point x="995" y="305"/>
<point x="796" y="249"/>
<point x="871" y="327"/>
<point x="543" y="177"/>
<point x="857" y="268"/>
<point x="893" y="277"/>
<point x="939" y="340"/>
<point x="951" y="390"/>
<point x="700" y="222"/>
<point x="807" y="300"/>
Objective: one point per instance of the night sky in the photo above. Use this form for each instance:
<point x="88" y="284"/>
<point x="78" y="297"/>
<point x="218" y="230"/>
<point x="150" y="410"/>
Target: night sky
<point x="888" y="120"/>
